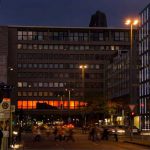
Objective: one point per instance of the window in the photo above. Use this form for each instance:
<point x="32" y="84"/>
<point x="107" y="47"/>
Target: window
<point x="24" y="84"/>
<point x="61" y="85"/>
<point x="24" y="93"/>
<point x="19" y="46"/>
<point x="97" y="66"/>
<point x="40" y="84"/>
<point x="29" y="93"/>
<point x="34" y="93"/>
<point x="55" y="84"/>
<point x="45" y="84"/>
<point x="40" y="93"/>
<point x="45" y="93"/>
<point x="19" y="94"/>
<point x="50" y="84"/>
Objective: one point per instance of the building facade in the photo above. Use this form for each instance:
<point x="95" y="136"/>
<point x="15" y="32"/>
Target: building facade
<point x="144" y="70"/>
<point x="43" y="64"/>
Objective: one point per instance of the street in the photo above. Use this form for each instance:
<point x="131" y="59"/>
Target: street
<point x="81" y="143"/>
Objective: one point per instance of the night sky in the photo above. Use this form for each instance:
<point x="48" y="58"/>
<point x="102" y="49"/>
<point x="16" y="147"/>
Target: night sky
<point x="74" y="13"/>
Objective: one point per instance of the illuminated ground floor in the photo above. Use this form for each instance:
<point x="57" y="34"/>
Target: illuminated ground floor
<point x="57" y="104"/>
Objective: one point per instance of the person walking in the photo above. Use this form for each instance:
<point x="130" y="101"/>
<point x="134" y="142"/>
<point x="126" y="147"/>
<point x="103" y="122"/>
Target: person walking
<point x="70" y="135"/>
<point x="116" y="135"/>
<point x="105" y="134"/>
<point x="38" y="135"/>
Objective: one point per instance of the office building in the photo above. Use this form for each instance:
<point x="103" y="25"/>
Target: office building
<point x="43" y="64"/>
<point x="144" y="70"/>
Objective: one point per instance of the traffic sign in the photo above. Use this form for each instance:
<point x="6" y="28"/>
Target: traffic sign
<point x="132" y="106"/>
<point x="5" y="106"/>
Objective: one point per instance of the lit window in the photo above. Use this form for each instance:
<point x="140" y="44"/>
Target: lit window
<point x="35" y="94"/>
<point x="45" y="84"/>
<point x="50" y="84"/>
<point x="35" y="84"/>
<point x="40" y="84"/>
<point x="24" y="93"/>
<point x="45" y="46"/>
<point x="19" y="93"/>
<point x="45" y="93"/>
<point x="50" y="94"/>
<point x="55" y="84"/>
<point x="97" y="66"/>
<point x="29" y="93"/>
<point x="19" y="46"/>
<point x="19" y="84"/>
<point x="61" y="85"/>
<point x="40" y="93"/>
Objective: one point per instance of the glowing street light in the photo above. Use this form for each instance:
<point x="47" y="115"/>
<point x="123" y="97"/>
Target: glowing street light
<point x="131" y="22"/>
<point x="83" y="67"/>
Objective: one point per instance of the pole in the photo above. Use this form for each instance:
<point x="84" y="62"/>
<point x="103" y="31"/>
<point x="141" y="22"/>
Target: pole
<point x="69" y="102"/>
<point x="83" y="89"/>
<point x="10" y="125"/>
<point x="131" y="71"/>
<point x="83" y="81"/>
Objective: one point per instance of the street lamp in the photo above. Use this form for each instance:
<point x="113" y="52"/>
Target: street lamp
<point x="69" y="97"/>
<point x="83" y="67"/>
<point x="131" y="22"/>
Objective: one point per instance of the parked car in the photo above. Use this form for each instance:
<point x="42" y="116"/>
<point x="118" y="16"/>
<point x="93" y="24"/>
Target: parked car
<point x="119" y="129"/>
<point x="135" y="130"/>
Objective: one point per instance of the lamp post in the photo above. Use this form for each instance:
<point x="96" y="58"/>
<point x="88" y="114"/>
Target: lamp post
<point x="83" y="67"/>
<point x="69" y="97"/>
<point x="61" y="105"/>
<point x="131" y="23"/>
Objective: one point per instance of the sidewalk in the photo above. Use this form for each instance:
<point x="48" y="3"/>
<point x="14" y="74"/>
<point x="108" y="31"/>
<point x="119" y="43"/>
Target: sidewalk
<point x="143" y="140"/>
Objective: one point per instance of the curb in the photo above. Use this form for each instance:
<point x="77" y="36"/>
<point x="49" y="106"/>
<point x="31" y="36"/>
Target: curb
<point x="138" y="143"/>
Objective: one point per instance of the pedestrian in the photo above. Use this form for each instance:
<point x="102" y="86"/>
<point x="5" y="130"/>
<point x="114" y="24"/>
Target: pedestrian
<point x="92" y="133"/>
<point x="1" y="136"/>
<point x="105" y="134"/>
<point x="38" y="135"/>
<point x="55" y="132"/>
<point x="116" y="135"/>
<point x="70" y="135"/>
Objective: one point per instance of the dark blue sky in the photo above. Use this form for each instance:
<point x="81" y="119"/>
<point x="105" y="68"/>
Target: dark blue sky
<point x="75" y="13"/>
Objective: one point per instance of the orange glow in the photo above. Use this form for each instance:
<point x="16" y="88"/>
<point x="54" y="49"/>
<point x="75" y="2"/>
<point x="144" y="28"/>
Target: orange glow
<point x="46" y="102"/>
<point x="65" y="104"/>
<point x="34" y="104"/>
<point x="136" y="22"/>
<point x="6" y="99"/>
<point x="51" y="103"/>
<point x="56" y="103"/>
<point x="19" y="104"/>
<point x="128" y="21"/>
<point x="40" y="101"/>
<point x="83" y="66"/>
<point x="71" y="104"/>
<point x="24" y="105"/>
<point x="132" y="22"/>
<point x="31" y="104"/>
<point x="76" y="103"/>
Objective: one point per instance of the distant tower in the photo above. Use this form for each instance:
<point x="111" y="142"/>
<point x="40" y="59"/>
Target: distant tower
<point x="98" y="20"/>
